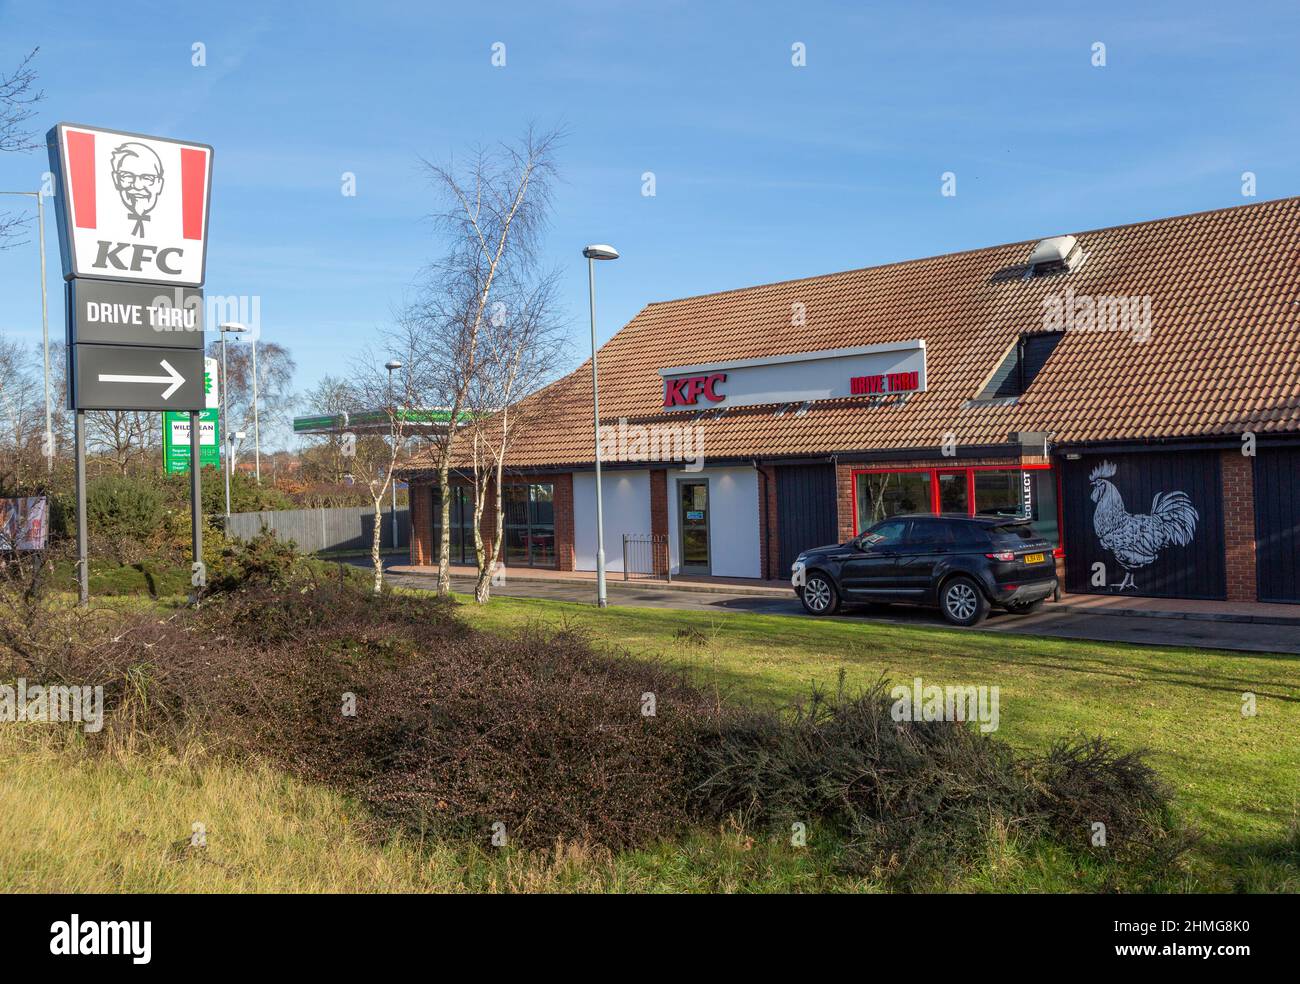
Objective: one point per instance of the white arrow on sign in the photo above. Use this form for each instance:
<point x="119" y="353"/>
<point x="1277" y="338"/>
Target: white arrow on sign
<point x="173" y="377"/>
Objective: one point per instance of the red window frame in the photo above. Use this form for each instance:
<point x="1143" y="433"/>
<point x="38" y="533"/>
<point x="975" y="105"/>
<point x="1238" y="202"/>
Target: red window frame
<point x="970" y="471"/>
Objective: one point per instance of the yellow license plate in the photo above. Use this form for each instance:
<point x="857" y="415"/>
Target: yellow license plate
<point x="1035" y="558"/>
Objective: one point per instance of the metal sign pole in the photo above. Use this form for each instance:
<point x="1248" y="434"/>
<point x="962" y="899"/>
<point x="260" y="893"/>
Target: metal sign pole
<point x="83" y="570"/>
<point x="196" y="506"/>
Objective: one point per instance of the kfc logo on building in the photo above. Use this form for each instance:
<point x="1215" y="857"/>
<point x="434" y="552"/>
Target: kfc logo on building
<point x="686" y="391"/>
<point x="131" y="207"/>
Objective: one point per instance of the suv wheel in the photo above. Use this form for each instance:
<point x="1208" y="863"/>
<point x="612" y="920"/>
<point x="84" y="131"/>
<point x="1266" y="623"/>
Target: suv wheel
<point x="962" y="602"/>
<point x="819" y="595"/>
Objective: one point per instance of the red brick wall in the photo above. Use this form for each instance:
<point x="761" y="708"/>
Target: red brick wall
<point x="659" y="501"/>
<point x="1238" y="474"/>
<point x="421" y="499"/>
<point x="844" y="496"/>
<point x="563" y="519"/>
<point x="659" y="514"/>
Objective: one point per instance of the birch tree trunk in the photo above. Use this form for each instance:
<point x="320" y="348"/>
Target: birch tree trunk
<point x="444" y="539"/>
<point x="374" y="544"/>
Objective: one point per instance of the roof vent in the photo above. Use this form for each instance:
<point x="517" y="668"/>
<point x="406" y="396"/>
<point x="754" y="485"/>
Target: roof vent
<point x="1059" y="254"/>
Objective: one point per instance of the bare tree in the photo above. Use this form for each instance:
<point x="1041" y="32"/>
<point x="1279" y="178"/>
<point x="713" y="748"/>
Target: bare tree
<point x="397" y="398"/>
<point x="497" y="205"/>
<point x="18" y="98"/>
<point x="22" y="421"/>
<point x="275" y="396"/>
<point x="126" y="438"/>
<point x="521" y="345"/>
<point x="330" y="456"/>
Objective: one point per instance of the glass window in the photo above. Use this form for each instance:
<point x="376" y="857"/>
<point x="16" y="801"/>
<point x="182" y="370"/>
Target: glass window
<point x="529" y="524"/>
<point x="1015" y="493"/>
<point x="885" y="494"/>
<point x="886" y="534"/>
<point x="952" y="492"/>
<point x="999" y="493"/>
<point x="516" y="546"/>
<point x="1042" y="504"/>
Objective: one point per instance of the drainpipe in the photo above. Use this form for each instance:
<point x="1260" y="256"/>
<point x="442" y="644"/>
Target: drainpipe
<point x="765" y="566"/>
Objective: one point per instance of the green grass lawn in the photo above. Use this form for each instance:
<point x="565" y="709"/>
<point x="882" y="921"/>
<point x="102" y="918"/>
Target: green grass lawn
<point x="1237" y="778"/>
<point x="73" y="820"/>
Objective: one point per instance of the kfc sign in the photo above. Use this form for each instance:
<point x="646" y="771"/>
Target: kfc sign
<point x="887" y="369"/>
<point x="131" y="207"/>
<point x="686" y="391"/>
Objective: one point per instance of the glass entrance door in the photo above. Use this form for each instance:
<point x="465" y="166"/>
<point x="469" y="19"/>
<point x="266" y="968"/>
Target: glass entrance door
<point x="693" y="521"/>
<point x="462" y="525"/>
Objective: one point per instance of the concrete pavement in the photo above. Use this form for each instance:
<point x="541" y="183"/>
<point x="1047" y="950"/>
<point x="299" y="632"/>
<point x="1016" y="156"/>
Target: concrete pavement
<point x="1067" y="624"/>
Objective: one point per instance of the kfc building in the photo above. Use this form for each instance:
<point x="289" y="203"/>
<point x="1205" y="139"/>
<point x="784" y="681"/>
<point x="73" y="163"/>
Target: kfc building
<point x="1134" y="391"/>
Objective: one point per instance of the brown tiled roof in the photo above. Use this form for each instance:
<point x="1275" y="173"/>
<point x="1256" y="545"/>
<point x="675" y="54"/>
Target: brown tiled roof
<point x="1223" y="355"/>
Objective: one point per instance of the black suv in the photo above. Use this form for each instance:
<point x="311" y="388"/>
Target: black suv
<point x="963" y="564"/>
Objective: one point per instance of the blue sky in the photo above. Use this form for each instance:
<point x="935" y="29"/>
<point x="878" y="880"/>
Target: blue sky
<point x="763" y="171"/>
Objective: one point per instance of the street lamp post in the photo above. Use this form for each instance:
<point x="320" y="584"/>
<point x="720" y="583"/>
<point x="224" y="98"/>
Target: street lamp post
<point x="47" y="445"/>
<point x="231" y="327"/>
<point x="257" y="440"/>
<point x="599" y="251"/>
<point x="391" y="365"/>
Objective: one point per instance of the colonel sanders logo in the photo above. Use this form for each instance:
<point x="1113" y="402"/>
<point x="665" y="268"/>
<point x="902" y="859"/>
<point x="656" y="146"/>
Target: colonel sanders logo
<point x="138" y="177"/>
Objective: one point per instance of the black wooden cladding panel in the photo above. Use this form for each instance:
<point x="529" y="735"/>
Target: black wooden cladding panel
<point x="1277" y="524"/>
<point x="1194" y="570"/>
<point x="806" y="510"/>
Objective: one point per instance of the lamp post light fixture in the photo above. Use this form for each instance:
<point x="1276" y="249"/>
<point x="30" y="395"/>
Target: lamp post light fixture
<point x="391" y="365"/>
<point x="597" y="251"/>
<point x="47" y="444"/>
<point x="229" y="328"/>
<point x="257" y="437"/>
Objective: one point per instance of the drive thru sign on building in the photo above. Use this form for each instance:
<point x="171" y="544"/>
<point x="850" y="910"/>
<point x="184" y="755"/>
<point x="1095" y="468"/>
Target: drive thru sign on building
<point x="133" y="231"/>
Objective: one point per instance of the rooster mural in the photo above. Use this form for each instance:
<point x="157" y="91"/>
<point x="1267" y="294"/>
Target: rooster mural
<point x="1137" y="540"/>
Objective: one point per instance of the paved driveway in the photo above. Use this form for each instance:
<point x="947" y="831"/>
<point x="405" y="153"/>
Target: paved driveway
<point x="1250" y="637"/>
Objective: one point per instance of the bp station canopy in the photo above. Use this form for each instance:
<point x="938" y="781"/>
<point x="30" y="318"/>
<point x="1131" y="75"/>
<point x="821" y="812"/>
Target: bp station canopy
<point x="375" y="421"/>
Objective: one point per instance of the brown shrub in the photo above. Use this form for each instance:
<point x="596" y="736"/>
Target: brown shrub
<point x="457" y="730"/>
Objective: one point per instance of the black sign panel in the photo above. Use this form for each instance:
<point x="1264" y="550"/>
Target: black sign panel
<point x="133" y="377"/>
<point x="115" y="313"/>
<point x="1153" y="522"/>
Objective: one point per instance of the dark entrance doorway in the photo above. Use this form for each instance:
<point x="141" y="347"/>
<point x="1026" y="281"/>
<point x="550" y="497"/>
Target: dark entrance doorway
<point x="462" y="524"/>
<point x="806" y="511"/>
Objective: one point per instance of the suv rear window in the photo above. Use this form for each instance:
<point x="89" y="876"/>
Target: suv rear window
<point x="1012" y="533"/>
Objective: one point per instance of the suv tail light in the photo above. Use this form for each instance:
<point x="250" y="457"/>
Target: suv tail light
<point x="1006" y="556"/>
